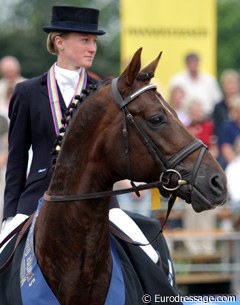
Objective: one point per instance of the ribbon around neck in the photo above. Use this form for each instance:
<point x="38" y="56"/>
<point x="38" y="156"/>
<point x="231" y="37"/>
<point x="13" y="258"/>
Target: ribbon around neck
<point x="54" y="97"/>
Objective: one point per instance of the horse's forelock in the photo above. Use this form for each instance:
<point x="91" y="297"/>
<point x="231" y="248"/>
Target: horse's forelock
<point x="145" y="76"/>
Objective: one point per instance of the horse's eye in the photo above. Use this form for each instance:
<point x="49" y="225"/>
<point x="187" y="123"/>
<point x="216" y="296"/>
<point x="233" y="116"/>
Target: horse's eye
<point x="156" y="120"/>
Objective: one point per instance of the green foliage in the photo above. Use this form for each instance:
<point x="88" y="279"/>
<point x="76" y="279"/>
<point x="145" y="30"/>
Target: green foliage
<point x="228" y="55"/>
<point x="21" y="35"/>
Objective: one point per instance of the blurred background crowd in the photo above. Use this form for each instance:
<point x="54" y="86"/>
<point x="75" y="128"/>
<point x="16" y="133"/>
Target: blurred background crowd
<point x="208" y="105"/>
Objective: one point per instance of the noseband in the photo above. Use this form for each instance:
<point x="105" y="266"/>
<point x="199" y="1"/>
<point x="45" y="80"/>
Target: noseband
<point x="167" y="167"/>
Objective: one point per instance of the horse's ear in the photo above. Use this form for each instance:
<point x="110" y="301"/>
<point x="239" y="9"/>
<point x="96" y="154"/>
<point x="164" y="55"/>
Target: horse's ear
<point x="150" y="69"/>
<point x="130" y="73"/>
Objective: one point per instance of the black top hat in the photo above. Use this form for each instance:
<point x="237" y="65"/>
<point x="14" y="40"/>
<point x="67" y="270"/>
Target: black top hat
<point x="74" y="19"/>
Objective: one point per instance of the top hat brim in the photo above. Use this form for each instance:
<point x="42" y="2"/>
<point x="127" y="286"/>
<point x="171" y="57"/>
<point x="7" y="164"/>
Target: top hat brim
<point x="49" y="29"/>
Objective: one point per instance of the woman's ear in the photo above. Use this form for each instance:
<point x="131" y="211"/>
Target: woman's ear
<point x="58" y="41"/>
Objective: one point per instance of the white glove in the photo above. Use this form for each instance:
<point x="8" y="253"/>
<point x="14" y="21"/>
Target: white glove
<point x="10" y="223"/>
<point x="6" y="222"/>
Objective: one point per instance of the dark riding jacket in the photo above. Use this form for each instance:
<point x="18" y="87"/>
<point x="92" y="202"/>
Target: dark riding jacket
<point x="31" y="126"/>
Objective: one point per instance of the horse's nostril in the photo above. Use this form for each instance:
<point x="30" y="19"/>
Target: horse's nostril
<point x="215" y="181"/>
<point x="217" y="184"/>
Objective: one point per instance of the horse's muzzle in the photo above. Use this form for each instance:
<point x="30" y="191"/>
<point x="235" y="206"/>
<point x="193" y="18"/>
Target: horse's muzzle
<point x="213" y="195"/>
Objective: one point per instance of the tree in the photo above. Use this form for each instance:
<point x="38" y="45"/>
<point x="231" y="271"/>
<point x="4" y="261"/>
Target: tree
<point x="24" y="38"/>
<point x="228" y="55"/>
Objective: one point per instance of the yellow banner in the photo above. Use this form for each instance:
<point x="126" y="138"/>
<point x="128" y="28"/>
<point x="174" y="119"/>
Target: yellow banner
<point x="175" y="27"/>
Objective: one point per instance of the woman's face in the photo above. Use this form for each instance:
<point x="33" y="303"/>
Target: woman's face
<point x="76" y="50"/>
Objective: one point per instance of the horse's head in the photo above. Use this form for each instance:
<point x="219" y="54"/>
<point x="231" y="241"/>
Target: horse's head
<point x="155" y="145"/>
<point x="127" y="130"/>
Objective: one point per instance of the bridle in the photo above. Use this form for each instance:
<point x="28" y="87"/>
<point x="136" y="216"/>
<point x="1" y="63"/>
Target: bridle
<point x="167" y="167"/>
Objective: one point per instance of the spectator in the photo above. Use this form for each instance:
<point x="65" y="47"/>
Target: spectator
<point x="201" y="126"/>
<point x="10" y="70"/>
<point x="230" y="83"/>
<point x="176" y="100"/>
<point x="230" y="130"/>
<point x="197" y="85"/>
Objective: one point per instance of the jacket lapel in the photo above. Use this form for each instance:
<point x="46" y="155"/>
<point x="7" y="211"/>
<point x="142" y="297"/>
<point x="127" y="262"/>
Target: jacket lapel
<point x="63" y="106"/>
<point x="45" y="92"/>
<point x="62" y="103"/>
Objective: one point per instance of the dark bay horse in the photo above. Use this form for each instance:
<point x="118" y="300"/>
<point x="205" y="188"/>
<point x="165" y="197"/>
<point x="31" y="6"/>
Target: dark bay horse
<point x="124" y="129"/>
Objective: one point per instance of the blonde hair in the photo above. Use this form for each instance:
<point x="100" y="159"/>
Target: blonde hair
<point x="235" y="103"/>
<point x="229" y="74"/>
<point x="51" y="46"/>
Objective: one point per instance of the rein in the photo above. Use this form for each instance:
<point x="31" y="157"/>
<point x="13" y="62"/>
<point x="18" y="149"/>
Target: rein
<point x="96" y="195"/>
<point x="167" y="166"/>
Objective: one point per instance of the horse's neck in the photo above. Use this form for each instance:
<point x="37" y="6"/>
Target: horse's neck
<point x="72" y="239"/>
